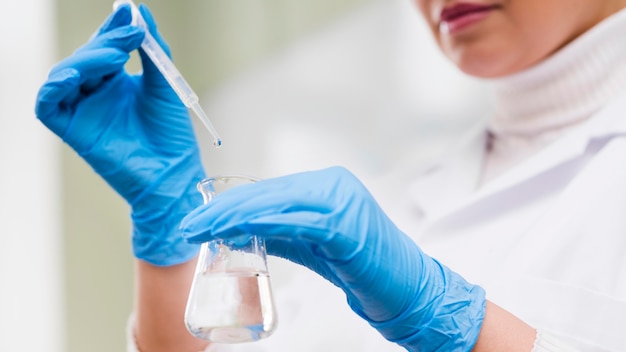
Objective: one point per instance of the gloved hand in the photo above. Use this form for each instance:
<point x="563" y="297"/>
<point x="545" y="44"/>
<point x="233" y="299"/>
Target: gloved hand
<point x="328" y="222"/>
<point x="132" y="129"/>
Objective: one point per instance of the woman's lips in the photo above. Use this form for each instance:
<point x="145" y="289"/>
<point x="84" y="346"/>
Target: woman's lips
<point x="455" y="18"/>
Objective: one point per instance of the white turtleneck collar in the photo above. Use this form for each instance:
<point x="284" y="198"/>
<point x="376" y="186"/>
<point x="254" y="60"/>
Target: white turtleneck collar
<point x="534" y="106"/>
<point x="567" y="87"/>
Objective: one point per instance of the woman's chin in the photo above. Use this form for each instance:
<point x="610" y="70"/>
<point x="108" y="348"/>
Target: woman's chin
<point x="488" y="66"/>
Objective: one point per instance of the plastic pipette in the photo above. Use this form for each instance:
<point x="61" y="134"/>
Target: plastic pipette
<point x="169" y="71"/>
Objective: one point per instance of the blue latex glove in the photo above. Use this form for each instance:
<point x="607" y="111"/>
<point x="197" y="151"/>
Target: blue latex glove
<point x="132" y="129"/>
<point x="328" y="222"/>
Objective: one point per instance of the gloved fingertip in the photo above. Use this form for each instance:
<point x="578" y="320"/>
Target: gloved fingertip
<point x="59" y="84"/>
<point x="152" y="27"/>
<point x="190" y="237"/>
<point x="121" y="16"/>
<point x="147" y="16"/>
<point x="185" y="228"/>
<point x="45" y="110"/>
<point x="189" y="232"/>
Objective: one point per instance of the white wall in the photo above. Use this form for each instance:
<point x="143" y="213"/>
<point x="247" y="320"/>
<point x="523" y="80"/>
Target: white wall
<point x="363" y="93"/>
<point x="31" y="310"/>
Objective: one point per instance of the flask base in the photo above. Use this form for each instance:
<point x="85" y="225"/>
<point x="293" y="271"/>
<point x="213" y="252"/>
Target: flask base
<point x="231" y="334"/>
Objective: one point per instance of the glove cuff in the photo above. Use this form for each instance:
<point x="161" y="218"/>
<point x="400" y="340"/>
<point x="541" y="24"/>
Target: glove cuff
<point x="452" y="323"/>
<point x="157" y="213"/>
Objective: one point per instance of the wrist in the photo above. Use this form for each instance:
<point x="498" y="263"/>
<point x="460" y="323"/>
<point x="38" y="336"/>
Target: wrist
<point x="450" y="321"/>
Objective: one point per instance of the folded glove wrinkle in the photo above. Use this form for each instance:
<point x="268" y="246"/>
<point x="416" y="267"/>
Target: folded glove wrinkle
<point x="449" y="321"/>
<point x="174" y="174"/>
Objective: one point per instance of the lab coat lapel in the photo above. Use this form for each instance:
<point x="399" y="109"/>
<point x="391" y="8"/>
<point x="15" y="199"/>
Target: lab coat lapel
<point x="444" y="185"/>
<point x="452" y="188"/>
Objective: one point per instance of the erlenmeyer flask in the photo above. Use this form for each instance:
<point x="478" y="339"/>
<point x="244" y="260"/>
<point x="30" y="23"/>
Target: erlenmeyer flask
<point x="231" y="298"/>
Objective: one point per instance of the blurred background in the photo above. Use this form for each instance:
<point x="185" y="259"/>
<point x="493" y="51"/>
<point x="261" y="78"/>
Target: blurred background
<point x="291" y="85"/>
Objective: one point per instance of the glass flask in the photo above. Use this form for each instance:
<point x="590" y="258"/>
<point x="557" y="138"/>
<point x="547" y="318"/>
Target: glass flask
<point x="231" y="299"/>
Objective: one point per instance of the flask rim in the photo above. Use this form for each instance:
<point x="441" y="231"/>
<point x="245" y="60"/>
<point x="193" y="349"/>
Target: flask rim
<point x="206" y="185"/>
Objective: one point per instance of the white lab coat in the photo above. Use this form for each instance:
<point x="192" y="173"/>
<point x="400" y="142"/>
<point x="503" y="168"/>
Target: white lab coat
<point x="547" y="240"/>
